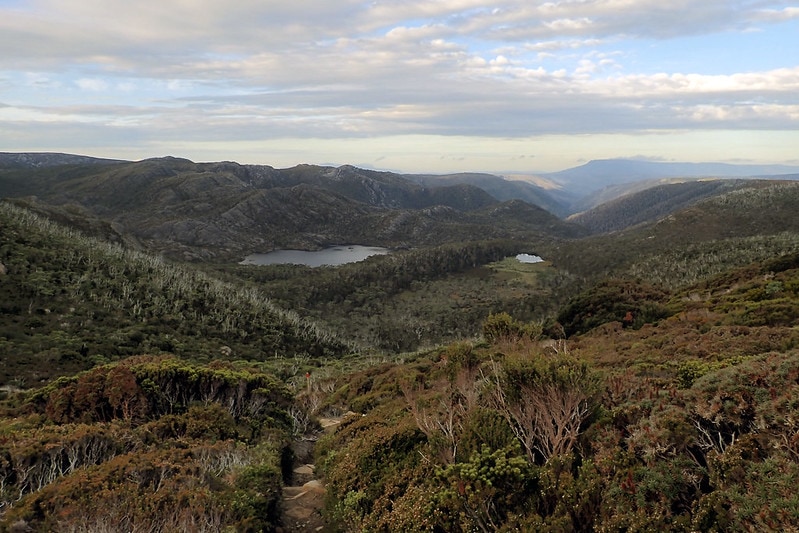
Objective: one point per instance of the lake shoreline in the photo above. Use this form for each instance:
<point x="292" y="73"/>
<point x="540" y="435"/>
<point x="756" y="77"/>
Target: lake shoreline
<point x="331" y="256"/>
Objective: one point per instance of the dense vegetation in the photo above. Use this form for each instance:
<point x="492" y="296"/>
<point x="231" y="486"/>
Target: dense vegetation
<point x="427" y="296"/>
<point x="635" y="381"/>
<point x="68" y="302"/>
<point x="148" y="444"/>
<point x="686" y="424"/>
<point x="416" y="298"/>
<point x="741" y="226"/>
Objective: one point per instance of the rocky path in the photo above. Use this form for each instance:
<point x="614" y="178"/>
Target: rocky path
<point x="304" y="499"/>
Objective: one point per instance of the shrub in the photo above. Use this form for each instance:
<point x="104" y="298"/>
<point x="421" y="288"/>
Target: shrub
<point x="503" y="327"/>
<point x="546" y="401"/>
<point x="485" y="489"/>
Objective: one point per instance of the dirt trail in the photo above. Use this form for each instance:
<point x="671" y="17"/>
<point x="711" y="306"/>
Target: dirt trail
<point x="304" y="499"/>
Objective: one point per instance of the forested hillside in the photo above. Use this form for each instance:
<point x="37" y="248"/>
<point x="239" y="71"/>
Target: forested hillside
<point x="225" y="211"/>
<point x="752" y="223"/>
<point x="640" y="379"/>
<point x="69" y="302"/>
<point x="651" y="204"/>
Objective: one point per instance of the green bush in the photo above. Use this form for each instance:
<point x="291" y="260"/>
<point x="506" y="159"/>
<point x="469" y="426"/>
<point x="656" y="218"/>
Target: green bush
<point x="484" y="490"/>
<point x="503" y="327"/>
<point x="632" y="303"/>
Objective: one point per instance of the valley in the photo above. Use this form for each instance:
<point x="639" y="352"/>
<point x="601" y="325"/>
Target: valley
<point x="641" y="376"/>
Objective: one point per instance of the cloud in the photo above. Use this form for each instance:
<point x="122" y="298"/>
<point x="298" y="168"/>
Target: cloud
<point x="92" y="84"/>
<point x="775" y="84"/>
<point x="256" y="69"/>
<point x="140" y="36"/>
<point x="777" y="15"/>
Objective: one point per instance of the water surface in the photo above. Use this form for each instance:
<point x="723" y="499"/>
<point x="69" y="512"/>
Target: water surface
<point x="528" y="258"/>
<point x="334" y="256"/>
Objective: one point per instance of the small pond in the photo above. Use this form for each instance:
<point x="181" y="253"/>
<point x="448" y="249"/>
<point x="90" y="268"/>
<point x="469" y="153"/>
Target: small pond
<point x="528" y="258"/>
<point x="333" y="256"/>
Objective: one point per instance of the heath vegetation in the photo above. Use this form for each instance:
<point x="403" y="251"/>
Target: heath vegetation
<point x="639" y="380"/>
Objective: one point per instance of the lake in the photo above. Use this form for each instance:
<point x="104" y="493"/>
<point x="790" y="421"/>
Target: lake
<point x="333" y="256"/>
<point x="528" y="258"/>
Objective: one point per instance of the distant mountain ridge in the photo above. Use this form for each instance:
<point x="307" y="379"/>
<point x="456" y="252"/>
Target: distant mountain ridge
<point x="562" y="193"/>
<point x="602" y="172"/>
<point x="49" y="159"/>
<point x="555" y="201"/>
<point x="176" y="206"/>
<point x="602" y="180"/>
<point x="226" y="210"/>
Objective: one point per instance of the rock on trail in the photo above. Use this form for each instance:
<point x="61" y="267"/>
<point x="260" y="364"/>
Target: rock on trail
<point x="304" y="499"/>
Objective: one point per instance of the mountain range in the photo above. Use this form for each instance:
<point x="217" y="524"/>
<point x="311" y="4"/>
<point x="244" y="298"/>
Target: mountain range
<point x="601" y="173"/>
<point x="553" y="190"/>
<point x="225" y="210"/>
<point x="202" y="210"/>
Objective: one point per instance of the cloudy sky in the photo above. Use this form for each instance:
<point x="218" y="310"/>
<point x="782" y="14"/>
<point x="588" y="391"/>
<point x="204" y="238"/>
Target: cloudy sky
<point x="407" y="85"/>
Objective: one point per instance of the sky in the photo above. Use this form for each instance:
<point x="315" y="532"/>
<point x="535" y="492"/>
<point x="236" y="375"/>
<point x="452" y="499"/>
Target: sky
<point x="435" y="86"/>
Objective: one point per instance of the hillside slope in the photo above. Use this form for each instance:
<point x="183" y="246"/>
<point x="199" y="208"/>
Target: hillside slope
<point x="651" y="204"/>
<point x="68" y="302"/>
<point x="503" y="189"/>
<point x="684" y="423"/>
<point x="225" y="210"/>
<point x="742" y="225"/>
